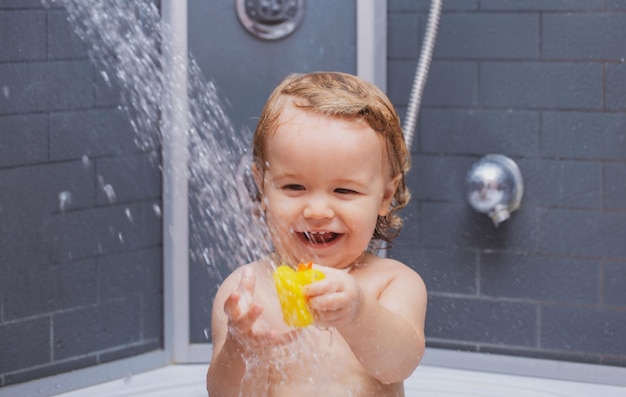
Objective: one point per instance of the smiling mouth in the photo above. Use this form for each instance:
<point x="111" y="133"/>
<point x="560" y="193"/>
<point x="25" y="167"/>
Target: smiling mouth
<point x="320" y="237"/>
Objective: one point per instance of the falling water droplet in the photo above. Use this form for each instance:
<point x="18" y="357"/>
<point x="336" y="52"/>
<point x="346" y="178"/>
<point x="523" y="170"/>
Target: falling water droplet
<point x="120" y="237"/>
<point x="129" y="215"/>
<point x="85" y="161"/>
<point x="5" y="91"/>
<point x="206" y="333"/>
<point x="157" y="210"/>
<point x="65" y="199"/>
<point x="110" y="192"/>
<point x="106" y="78"/>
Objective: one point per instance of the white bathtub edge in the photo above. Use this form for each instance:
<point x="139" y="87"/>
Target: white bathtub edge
<point x="524" y="366"/>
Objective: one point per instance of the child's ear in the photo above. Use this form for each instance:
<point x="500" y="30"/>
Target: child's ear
<point x="388" y="193"/>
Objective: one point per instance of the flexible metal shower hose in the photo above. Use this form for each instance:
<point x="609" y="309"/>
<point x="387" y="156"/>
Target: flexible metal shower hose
<point x="421" y="72"/>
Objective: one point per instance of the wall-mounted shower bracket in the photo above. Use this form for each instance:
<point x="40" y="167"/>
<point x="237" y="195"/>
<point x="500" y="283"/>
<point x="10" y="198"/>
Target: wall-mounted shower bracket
<point x="494" y="186"/>
<point x="270" y="19"/>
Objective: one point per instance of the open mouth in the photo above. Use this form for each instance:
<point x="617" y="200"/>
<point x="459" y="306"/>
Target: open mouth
<point x="320" y="237"/>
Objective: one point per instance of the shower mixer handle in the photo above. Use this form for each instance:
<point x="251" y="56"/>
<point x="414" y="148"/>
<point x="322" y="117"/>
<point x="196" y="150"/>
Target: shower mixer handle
<point x="494" y="186"/>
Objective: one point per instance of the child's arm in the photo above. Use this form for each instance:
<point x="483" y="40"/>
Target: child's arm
<point x="385" y="332"/>
<point x="232" y="310"/>
<point x="238" y="336"/>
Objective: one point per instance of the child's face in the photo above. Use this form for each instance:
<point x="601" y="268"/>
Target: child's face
<point x="326" y="182"/>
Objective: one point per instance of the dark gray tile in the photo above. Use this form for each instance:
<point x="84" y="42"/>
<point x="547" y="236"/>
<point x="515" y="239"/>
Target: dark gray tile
<point x="542" y="5"/>
<point x="63" y="42"/>
<point x="101" y="327"/>
<point x="45" y="86"/>
<point x="479" y="132"/>
<point x="576" y="36"/>
<point x="130" y="351"/>
<point x="615" y="95"/>
<point x="98" y="231"/>
<point x="38" y="289"/>
<point x="20" y="4"/>
<point x="425" y="5"/>
<point x="582" y="233"/>
<point x="488" y="35"/>
<point x="27" y="25"/>
<point x="457" y="225"/>
<point x="23" y="140"/>
<point x="583" y="329"/>
<point x="446" y="270"/>
<point x="614" y="279"/>
<point x="614" y="186"/>
<point x="130" y="273"/>
<point x="30" y="197"/>
<point x="482" y="321"/>
<point x="439" y="177"/>
<point x="583" y="135"/>
<point x="54" y="368"/>
<point x="541" y="85"/>
<point x="32" y="336"/>
<point x="132" y="178"/>
<point x="90" y="133"/>
<point x="539" y="279"/>
<point x="403" y="36"/>
<point x="615" y="5"/>
<point x="562" y="183"/>
<point x="448" y="83"/>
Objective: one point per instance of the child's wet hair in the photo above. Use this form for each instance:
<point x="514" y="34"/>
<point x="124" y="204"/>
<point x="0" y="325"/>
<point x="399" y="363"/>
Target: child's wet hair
<point x="342" y="95"/>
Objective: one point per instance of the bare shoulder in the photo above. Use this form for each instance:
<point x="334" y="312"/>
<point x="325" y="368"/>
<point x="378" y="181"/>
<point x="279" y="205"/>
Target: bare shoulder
<point x="390" y="270"/>
<point x="395" y="285"/>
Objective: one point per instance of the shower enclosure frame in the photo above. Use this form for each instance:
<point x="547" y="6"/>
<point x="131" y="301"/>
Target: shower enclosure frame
<point x="371" y="65"/>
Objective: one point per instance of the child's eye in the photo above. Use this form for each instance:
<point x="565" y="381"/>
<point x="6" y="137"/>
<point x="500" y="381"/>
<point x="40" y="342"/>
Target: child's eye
<point x="345" y="191"/>
<point x="293" y="187"/>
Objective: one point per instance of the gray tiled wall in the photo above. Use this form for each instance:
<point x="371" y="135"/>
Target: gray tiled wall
<point x="80" y="281"/>
<point x="541" y="81"/>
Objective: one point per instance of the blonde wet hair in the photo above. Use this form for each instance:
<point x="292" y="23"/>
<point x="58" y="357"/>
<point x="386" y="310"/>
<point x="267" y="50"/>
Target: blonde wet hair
<point x="342" y="95"/>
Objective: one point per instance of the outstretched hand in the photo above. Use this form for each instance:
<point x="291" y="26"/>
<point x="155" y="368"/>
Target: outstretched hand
<point x="335" y="300"/>
<point x="244" y="313"/>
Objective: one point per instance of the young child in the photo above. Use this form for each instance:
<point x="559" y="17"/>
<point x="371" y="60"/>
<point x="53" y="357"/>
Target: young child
<point x="329" y="163"/>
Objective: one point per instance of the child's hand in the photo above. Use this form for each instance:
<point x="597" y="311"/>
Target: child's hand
<point x="335" y="300"/>
<point x="240" y="308"/>
<point x="243" y="316"/>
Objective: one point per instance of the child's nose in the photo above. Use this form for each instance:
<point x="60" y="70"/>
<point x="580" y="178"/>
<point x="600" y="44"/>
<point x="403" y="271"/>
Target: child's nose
<point x="318" y="208"/>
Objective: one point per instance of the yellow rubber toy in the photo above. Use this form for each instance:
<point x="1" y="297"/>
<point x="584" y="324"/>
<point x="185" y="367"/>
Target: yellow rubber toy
<point x="289" y="285"/>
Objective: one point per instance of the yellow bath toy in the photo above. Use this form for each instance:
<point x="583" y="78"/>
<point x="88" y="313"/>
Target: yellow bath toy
<point x="289" y="285"/>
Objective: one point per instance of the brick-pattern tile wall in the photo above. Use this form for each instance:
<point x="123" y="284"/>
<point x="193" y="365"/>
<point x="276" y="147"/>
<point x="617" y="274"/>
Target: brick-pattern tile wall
<point x="80" y="270"/>
<point x="543" y="82"/>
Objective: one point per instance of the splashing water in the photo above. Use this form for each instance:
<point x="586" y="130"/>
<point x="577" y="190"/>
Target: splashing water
<point x="65" y="199"/>
<point x="126" y="40"/>
<point x="110" y="193"/>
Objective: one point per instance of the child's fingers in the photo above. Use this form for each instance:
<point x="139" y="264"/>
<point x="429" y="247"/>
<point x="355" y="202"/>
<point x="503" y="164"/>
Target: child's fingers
<point x="323" y="287"/>
<point x="243" y="320"/>
<point x="331" y="302"/>
<point x="247" y="282"/>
